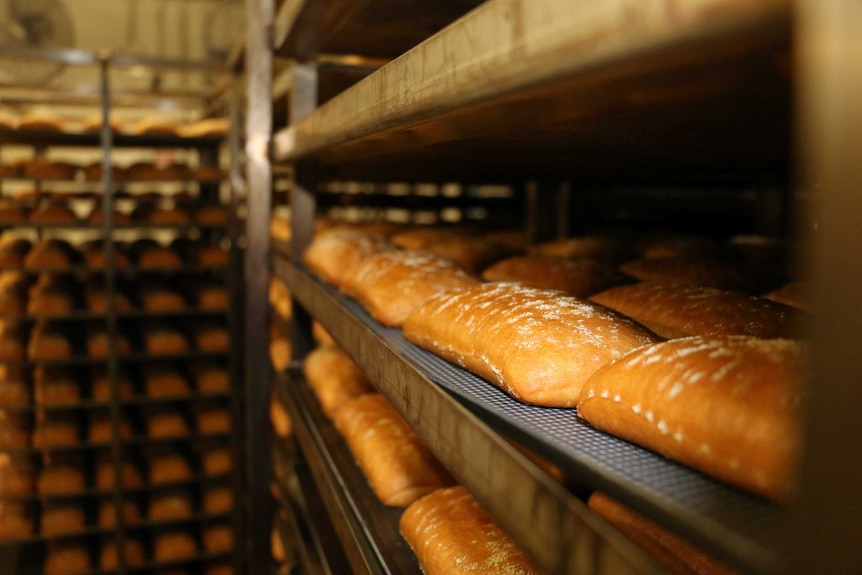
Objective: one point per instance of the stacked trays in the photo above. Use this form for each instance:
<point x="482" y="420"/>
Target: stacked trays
<point x="117" y="367"/>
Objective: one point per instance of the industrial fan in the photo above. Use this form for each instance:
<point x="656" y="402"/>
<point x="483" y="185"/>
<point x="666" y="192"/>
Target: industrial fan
<point x="34" y="25"/>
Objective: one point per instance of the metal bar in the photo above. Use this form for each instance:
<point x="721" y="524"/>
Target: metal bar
<point x="258" y="68"/>
<point x="106" y="136"/>
<point x="824" y="532"/>
<point x="70" y="57"/>
<point x="149" y="62"/>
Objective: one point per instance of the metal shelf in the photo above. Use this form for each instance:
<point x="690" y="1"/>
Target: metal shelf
<point x="514" y="89"/>
<point x="84" y="315"/>
<point x="367" y="529"/>
<point x="563" y="536"/>
<point x="79" y="139"/>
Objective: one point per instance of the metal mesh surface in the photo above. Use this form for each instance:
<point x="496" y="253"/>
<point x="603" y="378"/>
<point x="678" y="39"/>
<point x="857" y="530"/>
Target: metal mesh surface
<point x="727" y="521"/>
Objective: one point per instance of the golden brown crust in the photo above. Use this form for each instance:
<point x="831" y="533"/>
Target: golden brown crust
<point x="580" y="277"/>
<point x="471" y="253"/>
<point x="334" y="378"/>
<point x="165" y="340"/>
<point x="169" y="468"/>
<point x="218" y="538"/>
<point x="677" y="310"/>
<point x="539" y="346"/>
<point x="698" y="272"/>
<point x="724" y="405"/>
<point x="171" y="505"/>
<point x="62" y="518"/>
<point x="422" y="237"/>
<point x="672" y="552"/>
<point x="173" y="546"/>
<point x="212" y="338"/>
<point x="155" y="258"/>
<point x="133" y="554"/>
<point x="391" y="284"/>
<point x="218" y="500"/>
<point x="66" y="559"/>
<point x="53" y="215"/>
<point x="108" y="514"/>
<point x="393" y="458"/>
<point x="333" y="254"/>
<point x="793" y="294"/>
<point x="598" y="247"/>
<point x="451" y="535"/>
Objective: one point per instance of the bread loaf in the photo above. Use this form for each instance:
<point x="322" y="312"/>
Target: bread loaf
<point x="14" y="392"/>
<point x="334" y="378"/>
<point x="16" y="521"/>
<point x="95" y="257"/>
<point x="673" y="553"/>
<point x="55" y="386"/>
<point x="677" y="310"/>
<point x="61" y="477"/>
<point x="471" y="253"/>
<point x="14" y="430"/>
<point x="66" y="559"/>
<point x="164" y="381"/>
<point x="118" y="218"/>
<point x="161" y="298"/>
<point x="419" y="238"/>
<point x="393" y="458"/>
<point x="218" y="538"/>
<point x="579" y="277"/>
<point x="212" y="296"/>
<point x="175" y="216"/>
<point x="166" y="422"/>
<point x="11" y="347"/>
<point x="598" y="247"/>
<point x="101" y="428"/>
<point x="159" y="258"/>
<point x="793" y="294"/>
<point x="451" y="535"/>
<point x="279" y="418"/>
<point x="133" y="554"/>
<point x="10" y="213"/>
<point x="662" y="245"/>
<point x="210" y="378"/>
<point x="166" y="466"/>
<point x="41" y="120"/>
<point x="216" y="461"/>
<point x="280" y="298"/>
<point x="212" y="215"/>
<point x="97" y="301"/>
<point x="100" y="388"/>
<point x="539" y="346"/>
<point x="213" y="420"/>
<point x="212" y="256"/>
<point x="333" y="254"/>
<point x="49" y="254"/>
<point x="53" y="215"/>
<point x="52" y="300"/>
<point x="108" y="513"/>
<point x="155" y="126"/>
<point x="171" y="505"/>
<point x="99" y="343"/>
<point x="56" y="429"/>
<point x="17" y="475"/>
<point x="208" y="128"/>
<point x="699" y="272"/>
<point x="62" y="518"/>
<point x="280" y="350"/>
<point x="391" y="284"/>
<point x="130" y="477"/>
<point x="218" y="500"/>
<point x="724" y="405"/>
<point x="174" y="546"/>
<point x="162" y="339"/>
<point x="211" y="338"/>
<point x="13" y="251"/>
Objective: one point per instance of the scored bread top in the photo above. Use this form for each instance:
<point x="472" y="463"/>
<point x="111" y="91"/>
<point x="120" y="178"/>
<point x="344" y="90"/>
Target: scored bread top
<point x="724" y="405"/>
<point x="334" y="378"/>
<point x="539" y="346"/>
<point x="452" y="535"/>
<point x="677" y="310"/>
<point x="333" y="253"/>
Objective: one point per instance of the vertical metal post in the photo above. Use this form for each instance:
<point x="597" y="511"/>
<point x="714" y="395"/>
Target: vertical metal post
<point x="259" y="178"/>
<point x="303" y="205"/>
<point x="541" y="218"/>
<point x="825" y="531"/>
<point x="235" y="277"/>
<point x="107" y="143"/>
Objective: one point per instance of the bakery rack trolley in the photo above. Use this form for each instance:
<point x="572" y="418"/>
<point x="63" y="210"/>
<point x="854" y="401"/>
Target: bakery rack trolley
<point x="27" y="555"/>
<point x="604" y="90"/>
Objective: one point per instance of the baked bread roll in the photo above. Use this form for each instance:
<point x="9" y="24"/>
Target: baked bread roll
<point x="162" y="339"/>
<point x="216" y="461"/>
<point x="161" y="298"/>
<point x="211" y="174"/>
<point x="95" y="257"/>
<point x="174" y="546"/>
<point x="51" y="300"/>
<point x="513" y="239"/>
<point x="16" y="520"/>
<point x="334" y="378"/>
<point x="175" y="216"/>
<point x="218" y="538"/>
<point x="279" y="228"/>
<point x="11" y="213"/>
<point x="213" y="215"/>
<point x="212" y="420"/>
<point x="154" y="126"/>
<point x="62" y="518"/>
<point x="159" y="258"/>
<point x="171" y="505"/>
<point x="277" y="545"/>
<point x="451" y="535"/>
<point x="55" y="386"/>
<point x="726" y="406"/>
<point x="66" y="559"/>
<point x="53" y="215"/>
<point x="100" y="387"/>
<point x="14" y="393"/>
<point x="98" y="343"/>
<point x="130" y="477"/>
<point x="97" y="300"/>
<point x="164" y="381"/>
<point x="12" y="302"/>
<point x="280" y="350"/>
<point x="677" y="310"/>
<point x="93" y="124"/>
<point x="17" y="475"/>
<point x="398" y="466"/>
<point x="41" y="120"/>
<point x="661" y="245"/>
<point x="108" y="513"/>
<point x="166" y="422"/>
<point x="51" y="253"/>
<point x="101" y="429"/>
<point x="209" y="377"/>
<point x="118" y="218"/>
<point x="223" y="569"/>
<point x="391" y="284"/>
<point x="133" y="554"/>
<point x="332" y="254"/>
<point x="167" y="466"/>
<point x="13" y="252"/>
<point x="420" y="238"/>
<point x="208" y="128"/>
<point x="471" y="253"/>
<point x="218" y="500"/>
<point x="699" y="272"/>
<point x="577" y="277"/>
<point x="280" y="298"/>
<point x="212" y="256"/>
<point x="212" y="295"/>
<point x="212" y="338"/>
<point x="56" y="429"/>
<point x="61" y="475"/>
<point x="538" y="346"/>
<point x="11" y="347"/>
<point x="48" y="342"/>
<point x="793" y="294"/>
<point x="48" y="170"/>
<point x="14" y="430"/>
<point x="93" y="173"/>
<point x="320" y="335"/>
<point x="279" y="418"/>
<point x="597" y="247"/>
<point x="673" y="553"/>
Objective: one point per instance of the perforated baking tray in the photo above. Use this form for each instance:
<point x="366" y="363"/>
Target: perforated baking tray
<point x="732" y="524"/>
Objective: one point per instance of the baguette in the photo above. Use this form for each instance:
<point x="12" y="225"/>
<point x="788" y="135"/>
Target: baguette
<point x="334" y="378"/>
<point x="699" y="272"/>
<point x="451" y="535"/>
<point x="393" y="458"/>
<point x="332" y="254"/>
<point x="472" y="253"/>
<point x="673" y="553"/>
<point x="677" y="310"/>
<point x="726" y="406"/>
<point x="391" y="284"/>
<point x="580" y="277"/>
<point x="598" y="247"/>
<point x="539" y="346"/>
